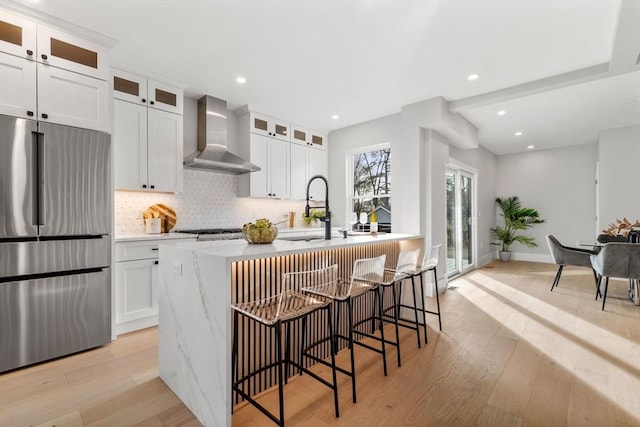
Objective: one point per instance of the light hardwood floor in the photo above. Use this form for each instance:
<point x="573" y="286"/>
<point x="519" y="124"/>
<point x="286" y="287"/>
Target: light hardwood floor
<point x="511" y="354"/>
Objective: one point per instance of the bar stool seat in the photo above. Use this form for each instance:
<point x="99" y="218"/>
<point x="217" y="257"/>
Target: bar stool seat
<point x="367" y="274"/>
<point x="429" y="263"/>
<point x="278" y="311"/>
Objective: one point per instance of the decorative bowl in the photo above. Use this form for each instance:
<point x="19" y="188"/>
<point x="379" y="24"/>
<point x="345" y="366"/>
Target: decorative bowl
<point x="255" y="235"/>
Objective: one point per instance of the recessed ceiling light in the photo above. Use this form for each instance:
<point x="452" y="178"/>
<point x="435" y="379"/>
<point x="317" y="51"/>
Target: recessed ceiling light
<point x="518" y="133"/>
<point x="502" y="113"/>
<point x="241" y="80"/>
<point x="473" y="77"/>
<point x="531" y="147"/>
<point x="335" y="117"/>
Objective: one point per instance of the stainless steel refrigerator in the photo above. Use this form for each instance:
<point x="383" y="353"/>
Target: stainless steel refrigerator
<point x="55" y="243"/>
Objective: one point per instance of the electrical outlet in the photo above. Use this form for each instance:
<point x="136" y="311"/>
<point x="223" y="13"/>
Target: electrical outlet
<point x="177" y="269"/>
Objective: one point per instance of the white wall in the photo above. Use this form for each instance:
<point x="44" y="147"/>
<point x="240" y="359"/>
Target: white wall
<point x="342" y="141"/>
<point x="560" y="184"/>
<point x="619" y="170"/>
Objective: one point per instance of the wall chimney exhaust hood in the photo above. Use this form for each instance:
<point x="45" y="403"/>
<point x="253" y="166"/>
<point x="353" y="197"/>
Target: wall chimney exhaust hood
<point x="212" y="154"/>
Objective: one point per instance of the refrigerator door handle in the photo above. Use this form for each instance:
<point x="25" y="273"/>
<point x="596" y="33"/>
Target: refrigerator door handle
<point x="37" y="139"/>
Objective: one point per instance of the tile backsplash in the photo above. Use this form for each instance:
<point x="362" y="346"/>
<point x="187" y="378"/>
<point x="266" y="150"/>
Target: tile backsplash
<point x="209" y="200"/>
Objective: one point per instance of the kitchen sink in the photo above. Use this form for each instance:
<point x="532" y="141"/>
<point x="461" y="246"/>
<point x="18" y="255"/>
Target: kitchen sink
<point x="301" y="238"/>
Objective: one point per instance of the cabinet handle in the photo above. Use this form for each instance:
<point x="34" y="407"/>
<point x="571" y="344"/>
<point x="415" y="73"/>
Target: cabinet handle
<point x="45" y="116"/>
<point x="151" y="102"/>
<point x="154" y="249"/>
<point x="43" y="56"/>
<point x="144" y="100"/>
<point x="144" y="185"/>
<point x="156" y="262"/>
<point x="152" y="186"/>
<point x="29" y="52"/>
<point x="30" y="113"/>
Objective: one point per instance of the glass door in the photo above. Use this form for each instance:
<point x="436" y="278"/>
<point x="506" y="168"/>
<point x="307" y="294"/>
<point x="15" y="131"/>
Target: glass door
<point x="460" y="224"/>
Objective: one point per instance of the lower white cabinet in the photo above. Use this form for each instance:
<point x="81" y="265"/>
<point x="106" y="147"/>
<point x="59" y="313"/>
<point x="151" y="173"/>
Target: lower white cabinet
<point x="137" y="281"/>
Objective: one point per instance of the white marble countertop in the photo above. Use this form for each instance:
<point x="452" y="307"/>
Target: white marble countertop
<point x="143" y="236"/>
<point x="239" y="250"/>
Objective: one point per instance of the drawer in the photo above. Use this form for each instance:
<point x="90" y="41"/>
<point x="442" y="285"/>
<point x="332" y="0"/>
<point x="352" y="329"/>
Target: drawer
<point x="130" y="251"/>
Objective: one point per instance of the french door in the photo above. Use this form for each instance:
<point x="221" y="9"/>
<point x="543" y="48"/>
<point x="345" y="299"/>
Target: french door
<point x="460" y="221"/>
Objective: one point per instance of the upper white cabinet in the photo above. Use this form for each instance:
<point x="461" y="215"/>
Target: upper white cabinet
<point x="17" y="35"/>
<point x="272" y="180"/>
<point x="307" y="161"/>
<point x="304" y="136"/>
<point x="268" y="126"/>
<point x="147" y="140"/>
<point x="140" y="90"/>
<point x="67" y="82"/>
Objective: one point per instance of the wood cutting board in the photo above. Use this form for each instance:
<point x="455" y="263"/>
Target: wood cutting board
<point x="163" y="212"/>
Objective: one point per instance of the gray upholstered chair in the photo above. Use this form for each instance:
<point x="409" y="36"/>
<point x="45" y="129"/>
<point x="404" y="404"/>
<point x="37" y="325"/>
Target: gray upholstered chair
<point x="565" y="255"/>
<point x="621" y="260"/>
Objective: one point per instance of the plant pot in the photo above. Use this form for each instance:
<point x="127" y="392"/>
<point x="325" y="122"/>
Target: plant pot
<point x="505" y="256"/>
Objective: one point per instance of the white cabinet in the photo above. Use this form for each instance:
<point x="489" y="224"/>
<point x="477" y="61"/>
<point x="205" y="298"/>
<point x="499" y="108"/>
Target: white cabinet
<point x="304" y="136"/>
<point x="147" y="134"/>
<point x="272" y="155"/>
<point x="17" y="35"/>
<point x="17" y="86"/>
<point x="268" y="126"/>
<point x="72" y="99"/>
<point x="140" y="90"/>
<point x="307" y="161"/>
<point x="67" y="82"/>
<point x="137" y="281"/>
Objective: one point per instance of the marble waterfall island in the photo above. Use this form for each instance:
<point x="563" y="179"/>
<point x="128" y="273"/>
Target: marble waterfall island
<point x="198" y="282"/>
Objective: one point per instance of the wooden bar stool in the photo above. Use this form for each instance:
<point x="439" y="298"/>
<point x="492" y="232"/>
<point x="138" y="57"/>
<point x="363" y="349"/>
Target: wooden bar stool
<point x="279" y="311"/>
<point x="366" y="276"/>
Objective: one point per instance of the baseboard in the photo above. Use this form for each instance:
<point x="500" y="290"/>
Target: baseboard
<point x="137" y="324"/>
<point x="522" y="256"/>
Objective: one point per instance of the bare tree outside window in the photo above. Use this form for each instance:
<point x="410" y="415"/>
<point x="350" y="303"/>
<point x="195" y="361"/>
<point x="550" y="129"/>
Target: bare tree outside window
<point x="372" y="184"/>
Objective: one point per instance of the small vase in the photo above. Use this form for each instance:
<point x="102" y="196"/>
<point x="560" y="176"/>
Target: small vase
<point x="505" y="256"/>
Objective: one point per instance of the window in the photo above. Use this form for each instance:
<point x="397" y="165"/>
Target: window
<point x="370" y="171"/>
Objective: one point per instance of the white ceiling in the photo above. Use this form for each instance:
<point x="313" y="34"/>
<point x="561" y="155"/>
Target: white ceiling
<point x="561" y="69"/>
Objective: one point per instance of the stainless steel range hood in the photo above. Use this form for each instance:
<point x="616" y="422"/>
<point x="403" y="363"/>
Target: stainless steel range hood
<point x="212" y="154"/>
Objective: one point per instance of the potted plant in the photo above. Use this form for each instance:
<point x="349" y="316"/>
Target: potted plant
<point x="314" y="216"/>
<point x="516" y="218"/>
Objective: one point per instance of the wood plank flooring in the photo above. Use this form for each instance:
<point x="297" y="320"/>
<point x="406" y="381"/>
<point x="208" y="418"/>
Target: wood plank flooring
<point x="511" y="354"/>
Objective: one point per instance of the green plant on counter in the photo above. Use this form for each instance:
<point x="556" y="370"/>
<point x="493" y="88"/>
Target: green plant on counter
<point x="314" y="216"/>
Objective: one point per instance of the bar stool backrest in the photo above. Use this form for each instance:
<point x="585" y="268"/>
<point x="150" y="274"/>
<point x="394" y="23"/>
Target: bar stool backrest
<point x="368" y="270"/>
<point x="430" y="259"/>
<point x="293" y="283"/>
<point x="407" y="263"/>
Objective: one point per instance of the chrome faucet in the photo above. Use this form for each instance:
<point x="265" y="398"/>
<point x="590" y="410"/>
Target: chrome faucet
<point x="327" y="213"/>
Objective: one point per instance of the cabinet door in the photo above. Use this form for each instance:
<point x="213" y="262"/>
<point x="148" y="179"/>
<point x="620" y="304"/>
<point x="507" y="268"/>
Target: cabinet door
<point x="279" y="168"/>
<point x="129" y="145"/>
<point x="164" y="97"/>
<point x="268" y="126"/>
<point x="72" y="99"/>
<point x="318" y="140"/>
<point x="317" y="165"/>
<point x="164" y="150"/>
<point x="129" y="87"/>
<point x="258" y="181"/>
<point x="300" y="135"/>
<point x="136" y="290"/>
<point x="17" y="35"/>
<point x="59" y="49"/>
<point x="299" y="174"/>
<point x="17" y="86"/>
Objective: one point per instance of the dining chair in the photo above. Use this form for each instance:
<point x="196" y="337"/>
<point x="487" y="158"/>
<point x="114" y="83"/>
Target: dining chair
<point x="565" y="255"/>
<point x="621" y="260"/>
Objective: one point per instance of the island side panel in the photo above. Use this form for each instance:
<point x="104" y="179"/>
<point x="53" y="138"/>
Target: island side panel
<point x="194" y="331"/>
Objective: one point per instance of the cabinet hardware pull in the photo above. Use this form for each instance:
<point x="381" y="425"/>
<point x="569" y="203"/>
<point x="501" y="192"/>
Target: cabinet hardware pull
<point x="29" y="52"/>
<point x="144" y="100"/>
<point x="144" y="185"/>
<point x="154" y="249"/>
<point x="151" y="102"/>
<point x="30" y="113"/>
<point x="44" y="56"/>
<point x="156" y="262"/>
<point x="153" y="186"/>
<point x="45" y="116"/>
